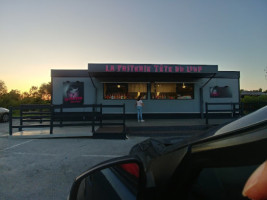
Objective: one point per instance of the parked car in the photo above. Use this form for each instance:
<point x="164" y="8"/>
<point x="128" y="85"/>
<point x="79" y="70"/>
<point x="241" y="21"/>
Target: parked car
<point x="4" y="114"/>
<point x="216" y="167"/>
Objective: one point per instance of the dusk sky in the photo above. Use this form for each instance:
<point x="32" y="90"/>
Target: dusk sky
<point x="39" y="35"/>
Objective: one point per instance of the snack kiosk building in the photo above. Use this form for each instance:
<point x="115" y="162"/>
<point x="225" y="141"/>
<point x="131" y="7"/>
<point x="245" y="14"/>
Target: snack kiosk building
<point x="167" y="90"/>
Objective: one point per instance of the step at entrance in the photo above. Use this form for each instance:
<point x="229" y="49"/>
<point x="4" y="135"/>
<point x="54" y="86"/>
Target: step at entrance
<point x="110" y="132"/>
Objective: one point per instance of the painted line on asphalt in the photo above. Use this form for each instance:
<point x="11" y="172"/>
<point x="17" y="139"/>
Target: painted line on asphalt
<point x="36" y="154"/>
<point x="108" y="156"/>
<point x="14" y="146"/>
<point x="61" y="155"/>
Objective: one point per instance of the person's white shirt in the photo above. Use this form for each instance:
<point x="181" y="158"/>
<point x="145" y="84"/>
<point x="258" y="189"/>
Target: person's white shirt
<point x="139" y="103"/>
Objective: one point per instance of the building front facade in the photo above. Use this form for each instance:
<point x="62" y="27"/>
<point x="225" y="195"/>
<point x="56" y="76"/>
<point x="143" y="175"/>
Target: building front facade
<point x="169" y="90"/>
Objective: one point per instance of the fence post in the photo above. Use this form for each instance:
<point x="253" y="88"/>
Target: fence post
<point x="41" y="114"/>
<point x="60" y="117"/>
<point x="51" y="119"/>
<point x="233" y="109"/>
<point x="93" y="120"/>
<point x="101" y="114"/>
<point x="10" y="120"/>
<point x="20" y="117"/>
<point x="207" y="120"/>
<point x="124" y="118"/>
<point x="241" y="109"/>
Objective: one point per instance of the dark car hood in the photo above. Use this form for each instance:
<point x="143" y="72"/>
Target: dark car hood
<point x="164" y="155"/>
<point x="255" y="118"/>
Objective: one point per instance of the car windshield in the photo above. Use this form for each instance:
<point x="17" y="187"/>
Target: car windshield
<point x="86" y="81"/>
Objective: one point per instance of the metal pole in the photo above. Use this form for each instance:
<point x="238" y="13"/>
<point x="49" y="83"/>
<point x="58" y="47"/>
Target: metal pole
<point x="51" y="119"/>
<point x="20" y="119"/>
<point x="61" y="111"/>
<point x="10" y="120"/>
<point x="233" y="109"/>
<point x="207" y="120"/>
<point x="201" y="95"/>
<point x="41" y="114"/>
<point x="201" y="102"/>
<point x="124" y="126"/>
<point x="241" y="109"/>
<point x="93" y="120"/>
<point x="101" y="115"/>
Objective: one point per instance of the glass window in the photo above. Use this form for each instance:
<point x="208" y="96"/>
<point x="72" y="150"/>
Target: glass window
<point x="137" y="89"/>
<point x="185" y="90"/>
<point x="163" y="91"/>
<point x="172" y="91"/>
<point x="125" y="90"/>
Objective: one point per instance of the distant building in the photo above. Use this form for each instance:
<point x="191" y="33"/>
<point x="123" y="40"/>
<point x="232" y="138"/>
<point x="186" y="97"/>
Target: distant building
<point x="251" y="93"/>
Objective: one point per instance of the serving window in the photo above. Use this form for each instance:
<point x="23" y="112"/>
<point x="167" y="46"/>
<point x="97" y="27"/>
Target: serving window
<point x="125" y="90"/>
<point x="172" y="91"/>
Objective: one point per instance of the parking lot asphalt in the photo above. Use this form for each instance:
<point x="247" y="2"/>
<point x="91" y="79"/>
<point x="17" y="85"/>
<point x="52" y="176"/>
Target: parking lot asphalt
<point x="45" y="168"/>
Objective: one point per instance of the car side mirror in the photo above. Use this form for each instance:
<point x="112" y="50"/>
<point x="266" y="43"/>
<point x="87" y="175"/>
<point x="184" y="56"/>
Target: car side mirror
<point x="120" y="178"/>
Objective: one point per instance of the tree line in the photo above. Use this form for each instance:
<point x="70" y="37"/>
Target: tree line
<point x="35" y="95"/>
<point x="257" y="99"/>
<point x="42" y="95"/>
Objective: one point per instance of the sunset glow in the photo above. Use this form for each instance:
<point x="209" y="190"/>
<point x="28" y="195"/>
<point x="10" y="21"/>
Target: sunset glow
<point x="37" y="36"/>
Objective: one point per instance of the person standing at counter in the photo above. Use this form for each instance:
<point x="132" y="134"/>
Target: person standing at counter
<point x="139" y="105"/>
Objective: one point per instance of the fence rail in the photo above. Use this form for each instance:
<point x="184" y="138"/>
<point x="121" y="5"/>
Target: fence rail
<point x="232" y="108"/>
<point x="60" y="115"/>
<point x="31" y="113"/>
